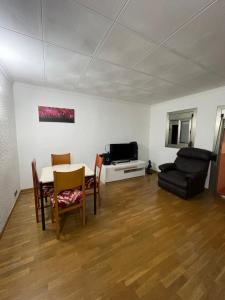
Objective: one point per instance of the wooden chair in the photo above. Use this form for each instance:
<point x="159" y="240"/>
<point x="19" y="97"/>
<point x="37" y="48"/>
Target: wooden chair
<point x="47" y="190"/>
<point x="89" y="182"/>
<point x="59" y="159"/>
<point x="69" y="194"/>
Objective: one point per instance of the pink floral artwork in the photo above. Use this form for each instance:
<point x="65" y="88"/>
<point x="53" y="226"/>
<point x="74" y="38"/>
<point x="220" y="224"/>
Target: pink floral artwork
<point x="56" y="114"/>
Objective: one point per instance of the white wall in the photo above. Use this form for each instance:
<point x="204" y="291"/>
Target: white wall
<point x="206" y="103"/>
<point x="98" y="123"/>
<point x="9" y="173"/>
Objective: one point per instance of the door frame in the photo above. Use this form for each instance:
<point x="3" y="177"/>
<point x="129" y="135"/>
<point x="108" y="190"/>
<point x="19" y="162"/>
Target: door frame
<point x="218" y="134"/>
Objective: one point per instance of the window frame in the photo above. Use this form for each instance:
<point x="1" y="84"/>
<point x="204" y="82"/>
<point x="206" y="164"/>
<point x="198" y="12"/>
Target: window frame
<point x="178" y="117"/>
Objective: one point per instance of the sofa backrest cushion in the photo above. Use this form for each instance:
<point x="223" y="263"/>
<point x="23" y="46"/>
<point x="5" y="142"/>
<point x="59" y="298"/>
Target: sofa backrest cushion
<point x="195" y="153"/>
<point x="193" y="160"/>
<point x="190" y="165"/>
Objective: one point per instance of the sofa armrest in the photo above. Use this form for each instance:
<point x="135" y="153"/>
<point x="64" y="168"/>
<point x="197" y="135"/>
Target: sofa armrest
<point x="196" y="183"/>
<point x="196" y="179"/>
<point x="167" y="167"/>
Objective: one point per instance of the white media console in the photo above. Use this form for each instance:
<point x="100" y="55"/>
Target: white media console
<point x="122" y="171"/>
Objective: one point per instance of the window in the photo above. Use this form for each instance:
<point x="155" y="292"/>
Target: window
<point x="180" y="131"/>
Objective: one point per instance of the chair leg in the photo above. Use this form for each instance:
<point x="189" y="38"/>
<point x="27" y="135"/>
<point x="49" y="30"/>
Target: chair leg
<point x="57" y="225"/>
<point x="36" y="211"/>
<point x="84" y="212"/>
<point x="99" y="197"/>
<point x="81" y="212"/>
<point x="52" y="214"/>
<point x="98" y="194"/>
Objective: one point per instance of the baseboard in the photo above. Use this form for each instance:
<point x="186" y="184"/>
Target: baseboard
<point x="6" y="223"/>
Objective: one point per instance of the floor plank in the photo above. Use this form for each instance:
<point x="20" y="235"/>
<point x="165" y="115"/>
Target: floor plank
<point x="144" y="243"/>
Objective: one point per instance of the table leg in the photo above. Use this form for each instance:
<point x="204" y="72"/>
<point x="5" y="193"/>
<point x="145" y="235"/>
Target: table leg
<point x="42" y="207"/>
<point x="95" y="195"/>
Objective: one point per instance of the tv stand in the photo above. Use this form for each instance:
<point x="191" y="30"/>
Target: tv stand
<point x="123" y="170"/>
<point x="115" y="162"/>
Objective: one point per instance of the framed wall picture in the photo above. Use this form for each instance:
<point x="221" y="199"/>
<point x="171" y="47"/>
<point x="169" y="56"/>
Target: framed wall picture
<point x="56" y="114"/>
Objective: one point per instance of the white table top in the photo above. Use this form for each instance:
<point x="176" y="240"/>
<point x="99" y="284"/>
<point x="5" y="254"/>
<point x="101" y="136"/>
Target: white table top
<point x="47" y="172"/>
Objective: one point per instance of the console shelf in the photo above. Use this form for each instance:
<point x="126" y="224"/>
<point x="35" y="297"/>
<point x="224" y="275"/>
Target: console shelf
<point x="123" y="171"/>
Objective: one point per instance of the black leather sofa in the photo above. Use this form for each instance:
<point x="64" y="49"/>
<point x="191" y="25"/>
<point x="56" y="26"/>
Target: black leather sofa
<point x="186" y="176"/>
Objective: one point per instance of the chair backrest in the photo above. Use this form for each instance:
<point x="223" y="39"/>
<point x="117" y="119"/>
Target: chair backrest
<point x="98" y="166"/>
<point x="60" y="159"/>
<point x="193" y="160"/>
<point x="35" y="178"/>
<point x="69" y="180"/>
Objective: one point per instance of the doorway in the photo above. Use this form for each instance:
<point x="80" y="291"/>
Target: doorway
<point x="220" y="188"/>
<point x="217" y="170"/>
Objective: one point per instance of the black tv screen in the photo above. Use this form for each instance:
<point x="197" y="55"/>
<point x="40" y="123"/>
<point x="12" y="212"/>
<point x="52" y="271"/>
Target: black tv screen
<point x="121" y="152"/>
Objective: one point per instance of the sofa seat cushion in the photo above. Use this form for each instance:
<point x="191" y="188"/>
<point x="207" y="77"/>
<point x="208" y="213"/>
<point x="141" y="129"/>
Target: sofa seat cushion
<point x="67" y="198"/>
<point x="174" y="177"/>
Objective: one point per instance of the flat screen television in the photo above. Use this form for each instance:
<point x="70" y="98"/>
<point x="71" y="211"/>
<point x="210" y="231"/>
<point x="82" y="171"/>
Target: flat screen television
<point x="126" y="151"/>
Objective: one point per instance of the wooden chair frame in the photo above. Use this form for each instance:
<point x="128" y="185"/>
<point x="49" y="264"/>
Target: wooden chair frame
<point x="36" y="187"/>
<point x="97" y="171"/>
<point x="66" y="181"/>
<point x="59" y="159"/>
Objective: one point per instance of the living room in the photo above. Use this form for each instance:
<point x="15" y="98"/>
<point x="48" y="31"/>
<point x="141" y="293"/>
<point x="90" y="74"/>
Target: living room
<point x="146" y="76"/>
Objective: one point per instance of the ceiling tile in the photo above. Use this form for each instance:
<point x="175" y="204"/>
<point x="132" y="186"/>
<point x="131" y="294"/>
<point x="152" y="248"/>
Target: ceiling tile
<point x="203" y="40"/>
<point x="181" y="70"/>
<point x="154" y="83"/>
<point x="159" y="61"/>
<point x="89" y="82"/>
<point x="73" y="26"/>
<point x="79" y="25"/>
<point x="108" y="90"/>
<point x="195" y="84"/>
<point x="156" y="20"/>
<point x="63" y="67"/>
<point x="202" y="81"/>
<point x="167" y="93"/>
<point x="23" y="16"/>
<point x="100" y="70"/>
<point x="97" y="87"/>
<point x="21" y="55"/>
<point x="112" y="90"/>
<point x="124" y="47"/>
<point x="107" y="8"/>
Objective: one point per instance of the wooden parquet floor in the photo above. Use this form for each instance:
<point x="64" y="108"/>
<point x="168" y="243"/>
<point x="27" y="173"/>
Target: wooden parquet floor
<point x="144" y="243"/>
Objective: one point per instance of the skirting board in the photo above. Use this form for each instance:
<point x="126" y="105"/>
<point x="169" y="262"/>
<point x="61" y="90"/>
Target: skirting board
<point x="2" y="232"/>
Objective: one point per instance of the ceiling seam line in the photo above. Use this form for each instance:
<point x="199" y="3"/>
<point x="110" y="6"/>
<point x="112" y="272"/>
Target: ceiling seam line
<point x="104" y="38"/>
<point x="193" y="18"/>
<point x="93" y="10"/>
<point x="189" y="21"/>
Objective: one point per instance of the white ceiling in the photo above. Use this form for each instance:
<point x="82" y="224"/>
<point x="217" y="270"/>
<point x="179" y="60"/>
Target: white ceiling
<point x="134" y="50"/>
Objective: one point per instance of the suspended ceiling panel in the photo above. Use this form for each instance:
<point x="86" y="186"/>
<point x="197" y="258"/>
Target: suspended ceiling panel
<point x="143" y="51"/>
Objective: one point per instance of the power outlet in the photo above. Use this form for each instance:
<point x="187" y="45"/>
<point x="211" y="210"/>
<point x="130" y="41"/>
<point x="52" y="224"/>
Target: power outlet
<point x="15" y="193"/>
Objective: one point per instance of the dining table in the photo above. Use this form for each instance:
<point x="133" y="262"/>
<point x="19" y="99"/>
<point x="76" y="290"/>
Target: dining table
<point x="47" y="178"/>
